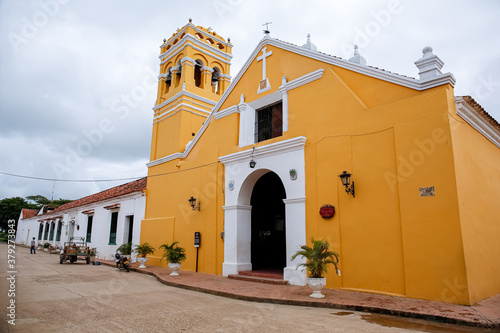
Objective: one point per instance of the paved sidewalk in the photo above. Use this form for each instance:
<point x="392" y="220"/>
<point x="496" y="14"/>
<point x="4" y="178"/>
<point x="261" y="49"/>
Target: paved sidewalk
<point x="484" y="314"/>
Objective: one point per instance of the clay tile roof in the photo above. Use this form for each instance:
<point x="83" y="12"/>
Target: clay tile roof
<point x="486" y="116"/>
<point x="27" y="213"/>
<point x="136" y="185"/>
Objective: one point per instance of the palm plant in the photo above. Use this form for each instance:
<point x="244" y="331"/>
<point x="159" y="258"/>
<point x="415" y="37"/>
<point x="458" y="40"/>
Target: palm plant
<point x="125" y="249"/>
<point x="173" y="253"/>
<point x="318" y="258"/>
<point x="144" y="249"/>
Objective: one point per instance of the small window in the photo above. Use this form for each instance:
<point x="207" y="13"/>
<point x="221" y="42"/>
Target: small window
<point x="40" y="232"/>
<point x="90" y="218"/>
<point x="46" y="233"/>
<point x="269" y="122"/>
<point x="112" y="230"/>
<point x="51" y="236"/>
<point x="59" y="229"/>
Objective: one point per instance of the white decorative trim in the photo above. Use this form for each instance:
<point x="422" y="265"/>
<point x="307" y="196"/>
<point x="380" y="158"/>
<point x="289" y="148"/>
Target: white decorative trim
<point x="205" y="113"/>
<point x="226" y="112"/>
<point x="308" y="78"/>
<point x="196" y="44"/>
<point x="187" y="59"/>
<point x="412" y="83"/>
<point x="294" y="201"/>
<point x="469" y="114"/>
<point x="237" y="207"/>
<point x="181" y="94"/>
<point x="276" y="148"/>
<point x="226" y="76"/>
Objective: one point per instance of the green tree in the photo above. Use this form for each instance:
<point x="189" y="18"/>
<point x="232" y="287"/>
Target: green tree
<point x="10" y="209"/>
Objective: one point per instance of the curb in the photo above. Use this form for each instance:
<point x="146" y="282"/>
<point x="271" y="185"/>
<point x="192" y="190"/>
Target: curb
<point x="484" y="323"/>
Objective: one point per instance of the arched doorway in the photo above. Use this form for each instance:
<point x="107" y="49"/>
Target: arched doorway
<point x="268" y="243"/>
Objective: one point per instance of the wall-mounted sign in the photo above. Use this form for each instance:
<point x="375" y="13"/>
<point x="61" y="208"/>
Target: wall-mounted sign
<point x="327" y="211"/>
<point x="230" y="185"/>
<point x="197" y="239"/>
<point x="427" y="191"/>
<point x="293" y="174"/>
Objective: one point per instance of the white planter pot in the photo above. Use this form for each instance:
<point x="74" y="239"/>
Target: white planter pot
<point x="174" y="267"/>
<point x="142" y="261"/>
<point x="316" y="285"/>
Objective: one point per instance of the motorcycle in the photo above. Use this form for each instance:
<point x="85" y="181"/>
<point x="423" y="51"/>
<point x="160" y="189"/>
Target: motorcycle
<point x="122" y="262"/>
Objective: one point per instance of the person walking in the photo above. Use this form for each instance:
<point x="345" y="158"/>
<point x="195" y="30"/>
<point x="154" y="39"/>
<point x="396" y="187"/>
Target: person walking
<point x="33" y="248"/>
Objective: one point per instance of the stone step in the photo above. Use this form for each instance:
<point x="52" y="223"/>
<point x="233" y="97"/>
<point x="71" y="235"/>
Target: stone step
<point x="257" y="279"/>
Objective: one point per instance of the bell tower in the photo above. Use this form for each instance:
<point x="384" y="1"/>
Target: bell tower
<point x="194" y="73"/>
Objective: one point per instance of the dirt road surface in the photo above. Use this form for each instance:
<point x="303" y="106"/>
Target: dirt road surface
<point x="50" y="297"/>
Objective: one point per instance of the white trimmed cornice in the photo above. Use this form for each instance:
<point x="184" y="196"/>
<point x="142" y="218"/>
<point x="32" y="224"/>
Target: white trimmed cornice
<point x="183" y="93"/>
<point x="196" y="44"/>
<point x="471" y="116"/>
<point x="292" y="201"/>
<point x="412" y="83"/>
<point x="237" y="207"/>
<point x="227" y="112"/>
<point x="204" y="113"/>
<point x="197" y="30"/>
<point x="317" y="74"/>
<point x="276" y="148"/>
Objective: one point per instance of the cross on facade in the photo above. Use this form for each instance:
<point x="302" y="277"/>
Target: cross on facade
<point x="263" y="58"/>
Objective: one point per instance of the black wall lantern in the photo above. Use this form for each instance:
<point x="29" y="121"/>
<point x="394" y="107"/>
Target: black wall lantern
<point x="252" y="162"/>
<point x="345" y="177"/>
<point x="194" y="206"/>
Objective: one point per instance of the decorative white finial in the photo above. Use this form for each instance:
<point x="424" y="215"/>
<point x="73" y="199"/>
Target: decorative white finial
<point x="358" y="59"/>
<point x="242" y="99"/>
<point x="183" y="86"/>
<point x="429" y="65"/>
<point x="283" y="79"/>
<point x="427" y="51"/>
<point x="309" y="45"/>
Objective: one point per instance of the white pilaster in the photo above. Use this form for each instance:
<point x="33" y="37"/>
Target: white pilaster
<point x="237" y="239"/>
<point x="295" y="210"/>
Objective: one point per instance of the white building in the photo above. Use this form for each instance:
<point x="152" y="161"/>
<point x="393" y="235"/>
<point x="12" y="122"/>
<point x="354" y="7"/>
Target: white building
<point x="105" y="220"/>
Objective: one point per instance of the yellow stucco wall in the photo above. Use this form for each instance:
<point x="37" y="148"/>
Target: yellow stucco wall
<point x="394" y="140"/>
<point x="477" y="164"/>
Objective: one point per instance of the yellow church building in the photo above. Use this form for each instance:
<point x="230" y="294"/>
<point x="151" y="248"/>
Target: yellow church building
<point x="253" y="164"/>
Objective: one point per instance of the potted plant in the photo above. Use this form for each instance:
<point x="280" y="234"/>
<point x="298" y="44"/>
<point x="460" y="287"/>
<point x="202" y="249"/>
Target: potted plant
<point x="125" y="249"/>
<point x="92" y="254"/>
<point x="174" y="255"/>
<point x="318" y="258"/>
<point x="142" y="251"/>
<point x="46" y="246"/>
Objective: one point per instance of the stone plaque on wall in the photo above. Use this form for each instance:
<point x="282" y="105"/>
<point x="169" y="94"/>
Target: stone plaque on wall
<point x="427" y="191"/>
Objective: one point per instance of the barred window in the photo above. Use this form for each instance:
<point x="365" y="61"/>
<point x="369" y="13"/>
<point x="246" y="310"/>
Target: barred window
<point x="269" y="122"/>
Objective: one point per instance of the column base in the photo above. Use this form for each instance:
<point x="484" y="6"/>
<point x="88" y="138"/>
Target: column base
<point x="294" y="276"/>
<point x="233" y="268"/>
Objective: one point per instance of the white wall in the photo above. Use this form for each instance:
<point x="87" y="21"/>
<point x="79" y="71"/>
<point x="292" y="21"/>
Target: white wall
<point x="131" y="204"/>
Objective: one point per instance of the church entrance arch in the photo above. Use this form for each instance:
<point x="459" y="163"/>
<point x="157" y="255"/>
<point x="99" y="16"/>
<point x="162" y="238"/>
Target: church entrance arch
<point x="268" y="239"/>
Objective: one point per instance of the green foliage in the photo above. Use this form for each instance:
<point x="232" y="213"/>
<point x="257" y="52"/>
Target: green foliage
<point x="125" y="249"/>
<point x="318" y="258"/>
<point x="173" y="253"/>
<point x="3" y="237"/>
<point x="10" y="208"/>
<point x="93" y="252"/>
<point x="46" y="245"/>
<point x="144" y="249"/>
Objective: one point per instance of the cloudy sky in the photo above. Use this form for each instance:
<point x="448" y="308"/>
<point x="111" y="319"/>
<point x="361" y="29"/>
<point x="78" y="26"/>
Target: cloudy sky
<point x="65" y="64"/>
